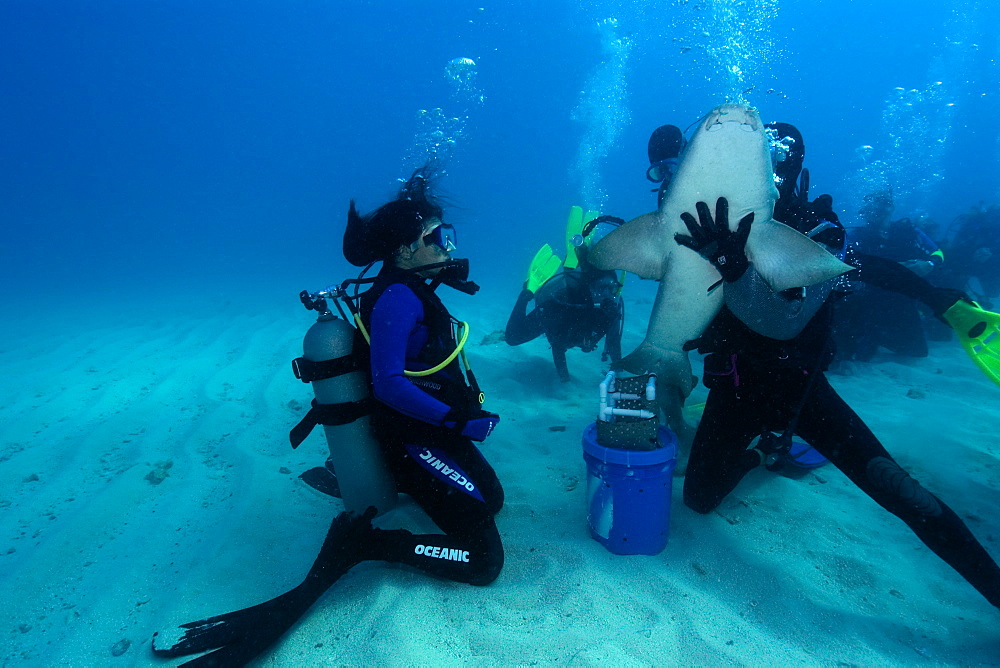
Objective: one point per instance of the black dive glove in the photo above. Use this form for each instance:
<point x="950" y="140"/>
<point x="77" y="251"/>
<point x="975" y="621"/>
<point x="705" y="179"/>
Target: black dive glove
<point x="713" y="241"/>
<point x="476" y="428"/>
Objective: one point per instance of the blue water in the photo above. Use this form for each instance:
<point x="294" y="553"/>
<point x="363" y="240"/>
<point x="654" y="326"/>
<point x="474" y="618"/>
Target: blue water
<point x="157" y="153"/>
<point x="178" y="144"/>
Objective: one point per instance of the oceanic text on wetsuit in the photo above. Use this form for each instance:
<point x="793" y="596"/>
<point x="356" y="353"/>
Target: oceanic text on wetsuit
<point x="446" y="470"/>
<point x="438" y="552"/>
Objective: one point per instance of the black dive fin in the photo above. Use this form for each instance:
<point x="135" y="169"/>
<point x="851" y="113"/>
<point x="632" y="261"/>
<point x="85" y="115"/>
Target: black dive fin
<point x="238" y="637"/>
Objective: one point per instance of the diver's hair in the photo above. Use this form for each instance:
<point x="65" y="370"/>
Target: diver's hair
<point x="380" y="234"/>
<point x="666" y="141"/>
<point x="419" y="188"/>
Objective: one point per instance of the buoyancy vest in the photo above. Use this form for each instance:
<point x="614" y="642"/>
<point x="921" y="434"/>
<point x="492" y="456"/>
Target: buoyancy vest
<point x="448" y="385"/>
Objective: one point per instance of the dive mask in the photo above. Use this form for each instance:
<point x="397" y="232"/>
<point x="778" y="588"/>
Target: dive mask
<point x="660" y="171"/>
<point x="443" y="236"/>
<point x="595" y="230"/>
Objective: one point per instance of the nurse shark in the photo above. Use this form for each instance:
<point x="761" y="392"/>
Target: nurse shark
<point x="728" y="156"/>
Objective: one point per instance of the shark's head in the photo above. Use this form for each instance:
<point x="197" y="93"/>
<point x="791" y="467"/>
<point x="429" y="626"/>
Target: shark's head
<point x="728" y="155"/>
<point x="738" y="114"/>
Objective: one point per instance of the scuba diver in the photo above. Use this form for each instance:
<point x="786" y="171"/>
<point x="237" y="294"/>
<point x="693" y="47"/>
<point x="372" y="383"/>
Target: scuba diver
<point x="575" y="307"/>
<point x="870" y="317"/>
<point x="899" y="240"/>
<point x="974" y="253"/>
<point x="766" y="353"/>
<point x="425" y="415"/>
<point x="664" y="148"/>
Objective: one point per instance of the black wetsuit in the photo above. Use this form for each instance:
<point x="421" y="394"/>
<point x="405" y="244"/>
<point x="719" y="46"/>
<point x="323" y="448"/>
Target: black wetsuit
<point x="757" y="384"/>
<point x="574" y="309"/>
<point x="974" y="253"/>
<point x="442" y="470"/>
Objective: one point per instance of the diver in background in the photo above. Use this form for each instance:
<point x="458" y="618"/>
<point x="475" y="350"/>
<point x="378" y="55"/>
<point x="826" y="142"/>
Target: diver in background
<point x="664" y="148"/>
<point x="974" y="253"/>
<point x="899" y="240"/>
<point x="579" y="305"/>
<point x="871" y="317"/>
<point x="574" y="308"/>
<point x="426" y="415"/>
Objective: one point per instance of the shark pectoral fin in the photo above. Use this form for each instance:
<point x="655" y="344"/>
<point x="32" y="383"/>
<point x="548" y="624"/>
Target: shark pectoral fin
<point x="787" y="259"/>
<point x="636" y="246"/>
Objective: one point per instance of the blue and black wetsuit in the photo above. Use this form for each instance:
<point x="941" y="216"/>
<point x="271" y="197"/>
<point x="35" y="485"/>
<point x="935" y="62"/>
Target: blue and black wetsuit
<point x="416" y="420"/>
<point x="759" y="383"/>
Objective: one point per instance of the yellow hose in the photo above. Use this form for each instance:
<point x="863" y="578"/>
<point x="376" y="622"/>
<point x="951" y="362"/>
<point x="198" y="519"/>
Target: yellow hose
<point x="426" y="372"/>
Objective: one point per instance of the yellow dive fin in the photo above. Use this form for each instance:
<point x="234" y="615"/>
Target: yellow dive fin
<point x="574" y="226"/>
<point x="979" y="333"/>
<point x="544" y="266"/>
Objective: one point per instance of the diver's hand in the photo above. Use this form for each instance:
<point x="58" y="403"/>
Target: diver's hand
<point x="478" y="429"/>
<point x="713" y="241"/>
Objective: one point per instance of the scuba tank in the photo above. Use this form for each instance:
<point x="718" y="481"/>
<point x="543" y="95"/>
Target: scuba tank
<point x="339" y="376"/>
<point x="335" y="360"/>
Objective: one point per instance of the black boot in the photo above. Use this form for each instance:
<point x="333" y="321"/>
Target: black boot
<point x="349" y="541"/>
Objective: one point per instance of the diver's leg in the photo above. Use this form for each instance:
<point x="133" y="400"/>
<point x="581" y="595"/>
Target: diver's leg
<point x="719" y="457"/>
<point x="559" y="359"/>
<point x="836" y="431"/>
<point x="461" y="497"/>
<point x="459" y="491"/>
<point x="471" y="459"/>
<point x="613" y="338"/>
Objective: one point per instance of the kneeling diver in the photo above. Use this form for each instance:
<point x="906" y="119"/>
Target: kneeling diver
<point x="426" y="415"/>
<point x="575" y="307"/>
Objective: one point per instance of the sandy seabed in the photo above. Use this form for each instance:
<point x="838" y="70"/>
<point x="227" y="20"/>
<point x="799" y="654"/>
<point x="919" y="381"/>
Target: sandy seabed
<point x="147" y="481"/>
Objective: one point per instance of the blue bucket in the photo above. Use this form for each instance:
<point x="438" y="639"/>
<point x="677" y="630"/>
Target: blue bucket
<point x="628" y="493"/>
